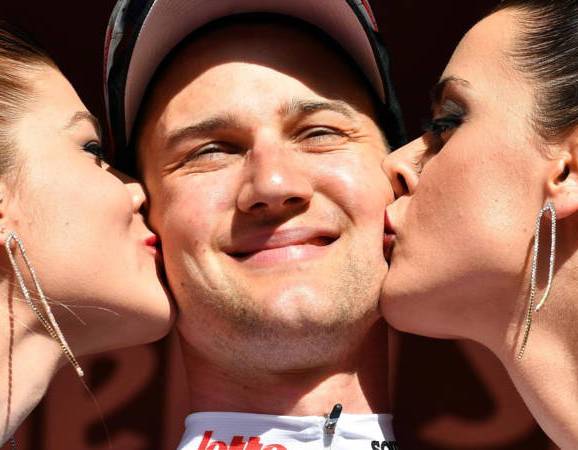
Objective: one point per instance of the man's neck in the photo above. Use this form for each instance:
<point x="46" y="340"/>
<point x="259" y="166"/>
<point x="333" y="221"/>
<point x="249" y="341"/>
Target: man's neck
<point x="359" y="383"/>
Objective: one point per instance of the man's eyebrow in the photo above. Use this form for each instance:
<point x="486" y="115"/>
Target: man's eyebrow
<point x="81" y="116"/>
<point x="306" y="107"/>
<point x="438" y="90"/>
<point x="202" y="128"/>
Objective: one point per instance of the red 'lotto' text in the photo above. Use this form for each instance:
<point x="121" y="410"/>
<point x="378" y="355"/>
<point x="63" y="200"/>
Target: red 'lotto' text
<point x="237" y="443"/>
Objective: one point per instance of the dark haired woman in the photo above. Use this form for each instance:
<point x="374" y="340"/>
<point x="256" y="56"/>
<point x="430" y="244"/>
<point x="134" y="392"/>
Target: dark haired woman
<point x="78" y="271"/>
<point x="487" y="243"/>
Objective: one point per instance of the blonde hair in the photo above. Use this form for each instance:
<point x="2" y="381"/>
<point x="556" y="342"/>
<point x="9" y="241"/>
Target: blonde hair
<point x="19" y="57"/>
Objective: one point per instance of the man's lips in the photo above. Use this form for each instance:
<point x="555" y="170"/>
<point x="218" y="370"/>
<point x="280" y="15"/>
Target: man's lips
<point x="279" y="245"/>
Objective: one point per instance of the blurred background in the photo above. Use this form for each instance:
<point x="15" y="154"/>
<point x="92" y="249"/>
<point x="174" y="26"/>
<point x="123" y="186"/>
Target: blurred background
<point x="448" y="395"/>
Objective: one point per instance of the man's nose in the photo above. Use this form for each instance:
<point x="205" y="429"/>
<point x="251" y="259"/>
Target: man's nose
<point x="277" y="183"/>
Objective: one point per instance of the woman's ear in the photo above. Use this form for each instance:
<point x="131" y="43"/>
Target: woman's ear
<point x="563" y="181"/>
<point x="7" y="221"/>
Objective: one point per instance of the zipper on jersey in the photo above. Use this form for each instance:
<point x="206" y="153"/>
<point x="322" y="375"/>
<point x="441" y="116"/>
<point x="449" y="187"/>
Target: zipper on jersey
<point x="330" y="425"/>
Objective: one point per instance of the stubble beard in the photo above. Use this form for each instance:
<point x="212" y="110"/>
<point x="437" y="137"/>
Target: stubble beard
<point x="319" y="331"/>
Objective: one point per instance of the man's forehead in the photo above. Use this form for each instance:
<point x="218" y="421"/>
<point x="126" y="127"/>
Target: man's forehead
<point x="252" y="62"/>
<point x="207" y="123"/>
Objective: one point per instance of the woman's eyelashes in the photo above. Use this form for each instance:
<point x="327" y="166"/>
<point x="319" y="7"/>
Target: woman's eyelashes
<point x="441" y="128"/>
<point x="448" y="116"/>
<point x="441" y="125"/>
<point x="95" y="148"/>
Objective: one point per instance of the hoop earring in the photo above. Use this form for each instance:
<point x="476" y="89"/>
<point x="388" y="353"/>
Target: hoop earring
<point x="549" y="207"/>
<point x="46" y="318"/>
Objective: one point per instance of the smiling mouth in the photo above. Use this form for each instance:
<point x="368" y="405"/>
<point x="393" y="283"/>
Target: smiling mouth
<point x="319" y="241"/>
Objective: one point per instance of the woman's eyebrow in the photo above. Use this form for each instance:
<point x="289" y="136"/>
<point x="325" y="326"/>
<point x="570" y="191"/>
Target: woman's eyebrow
<point x="438" y="90"/>
<point x="81" y="116"/>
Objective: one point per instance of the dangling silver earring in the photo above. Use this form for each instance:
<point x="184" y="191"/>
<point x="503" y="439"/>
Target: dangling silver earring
<point x="549" y="207"/>
<point x="47" y="318"/>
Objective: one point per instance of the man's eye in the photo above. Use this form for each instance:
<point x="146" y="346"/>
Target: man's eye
<point x="321" y="135"/>
<point x="213" y="151"/>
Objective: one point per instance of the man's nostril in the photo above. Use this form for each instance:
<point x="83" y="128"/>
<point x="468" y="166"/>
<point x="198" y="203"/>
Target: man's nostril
<point x="293" y="201"/>
<point x="258" y="205"/>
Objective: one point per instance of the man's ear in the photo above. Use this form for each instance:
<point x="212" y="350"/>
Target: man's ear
<point x="562" y="188"/>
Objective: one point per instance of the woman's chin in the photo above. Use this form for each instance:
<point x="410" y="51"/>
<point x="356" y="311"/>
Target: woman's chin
<point x="157" y="325"/>
<point x="405" y="315"/>
<point x="131" y="327"/>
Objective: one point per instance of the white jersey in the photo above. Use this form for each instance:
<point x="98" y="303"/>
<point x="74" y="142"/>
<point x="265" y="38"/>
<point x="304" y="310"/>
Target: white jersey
<point x="240" y="431"/>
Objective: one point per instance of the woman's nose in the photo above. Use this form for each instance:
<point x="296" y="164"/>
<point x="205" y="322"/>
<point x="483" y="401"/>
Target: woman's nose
<point x="137" y="194"/>
<point x="403" y="167"/>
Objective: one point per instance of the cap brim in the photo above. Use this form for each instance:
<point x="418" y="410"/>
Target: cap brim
<point x="168" y="22"/>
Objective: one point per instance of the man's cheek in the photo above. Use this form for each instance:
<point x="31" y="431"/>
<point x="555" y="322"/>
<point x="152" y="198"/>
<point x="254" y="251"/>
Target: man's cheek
<point x="366" y="190"/>
<point x="377" y="190"/>
<point x="186" y="226"/>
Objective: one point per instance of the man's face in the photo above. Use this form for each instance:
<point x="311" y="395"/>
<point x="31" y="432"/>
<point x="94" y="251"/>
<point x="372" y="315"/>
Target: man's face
<point x="262" y="159"/>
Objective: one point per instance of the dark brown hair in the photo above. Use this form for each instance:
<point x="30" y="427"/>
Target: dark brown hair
<point x="546" y="52"/>
<point x="19" y="57"/>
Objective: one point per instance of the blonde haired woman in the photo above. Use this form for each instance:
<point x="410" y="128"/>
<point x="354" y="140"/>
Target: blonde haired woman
<point x="79" y="267"/>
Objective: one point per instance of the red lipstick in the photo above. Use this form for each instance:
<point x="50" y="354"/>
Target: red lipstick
<point x="153" y="244"/>
<point x="152" y="241"/>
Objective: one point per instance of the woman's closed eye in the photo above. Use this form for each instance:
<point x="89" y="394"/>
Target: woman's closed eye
<point x="448" y="115"/>
<point x="441" y="128"/>
<point x="95" y="148"/>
